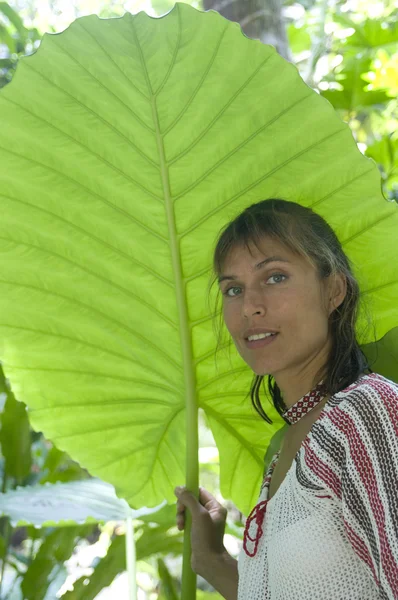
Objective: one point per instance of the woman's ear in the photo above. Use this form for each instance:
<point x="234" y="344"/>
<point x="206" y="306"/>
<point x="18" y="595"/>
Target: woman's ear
<point x="337" y="291"/>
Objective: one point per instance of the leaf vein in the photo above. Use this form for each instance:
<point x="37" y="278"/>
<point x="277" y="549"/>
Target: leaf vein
<point x="130" y="82"/>
<point x="145" y="447"/>
<point x="73" y="339"/>
<point x="104" y="403"/>
<point x="123" y="425"/>
<point x="94" y="310"/>
<point x="85" y="147"/>
<point x="173" y="60"/>
<point x="86" y="189"/>
<point x="139" y="300"/>
<point x="100" y="83"/>
<point x="366" y="228"/>
<point x="380" y="287"/>
<point x="341" y="187"/>
<point x="115" y="460"/>
<point x="233" y="432"/>
<point x="193" y="96"/>
<point x="258" y="181"/>
<point x="90" y="235"/>
<point x="239" y="147"/>
<point x="71" y="371"/>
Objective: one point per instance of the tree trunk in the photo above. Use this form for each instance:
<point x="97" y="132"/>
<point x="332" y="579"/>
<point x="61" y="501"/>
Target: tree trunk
<point x="260" y="20"/>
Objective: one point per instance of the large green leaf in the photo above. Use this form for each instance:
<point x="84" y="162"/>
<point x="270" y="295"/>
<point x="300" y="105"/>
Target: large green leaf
<point x="126" y="144"/>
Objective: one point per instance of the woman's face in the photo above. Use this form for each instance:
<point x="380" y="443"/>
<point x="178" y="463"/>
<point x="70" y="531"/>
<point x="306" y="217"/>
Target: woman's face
<point x="283" y="295"/>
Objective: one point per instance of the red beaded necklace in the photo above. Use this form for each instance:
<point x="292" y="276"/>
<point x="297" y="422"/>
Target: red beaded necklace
<point x="292" y="415"/>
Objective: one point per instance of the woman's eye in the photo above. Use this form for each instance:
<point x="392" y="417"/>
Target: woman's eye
<point x="275" y="275"/>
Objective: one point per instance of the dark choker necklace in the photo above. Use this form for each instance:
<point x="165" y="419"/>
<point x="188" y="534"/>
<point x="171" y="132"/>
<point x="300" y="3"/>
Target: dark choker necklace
<point x="305" y="404"/>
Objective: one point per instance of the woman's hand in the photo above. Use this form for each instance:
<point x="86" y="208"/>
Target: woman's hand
<point x="208" y="525"/>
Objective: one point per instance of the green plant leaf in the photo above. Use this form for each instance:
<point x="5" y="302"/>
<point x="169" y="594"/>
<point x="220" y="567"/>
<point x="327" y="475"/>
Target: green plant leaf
<point x="56" y="548"/>
<point x="353" y="96"/>
<point x="3" y="548"/>
<point x="15" y="436"/>
<point x="138" y="138"/>
<point x="6" y="63"/>
<point x="167" y="590"/>
<point x="370" y="34"/>
<point x="274" y="446"/>
<point x="58" y="466"/>
<point x="299" y="38"/>
<point x="7" y="39"/>
<point x="113" y="563"/>
<point x="64" y="504"/>
<point x="201" y="595"/>
<point x="13" y="17"/>
<point x="383" y="354"/>
<point x="166" y="516"/>
<point x="385" y="153"/>
<point x="152" y="542"/>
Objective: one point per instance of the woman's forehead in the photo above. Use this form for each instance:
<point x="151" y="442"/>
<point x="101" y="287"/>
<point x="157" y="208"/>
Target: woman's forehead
<point x="265" y="248"/>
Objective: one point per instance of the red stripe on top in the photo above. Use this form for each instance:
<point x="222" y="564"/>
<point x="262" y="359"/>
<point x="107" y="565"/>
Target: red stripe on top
<point x="360" y="548"/>
<point x="362" y="461"/>
<point x="321" y="469"/>
<point x="390" y="404"/>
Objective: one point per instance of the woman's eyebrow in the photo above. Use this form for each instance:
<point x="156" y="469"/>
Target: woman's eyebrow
<point x="256" y="268"/>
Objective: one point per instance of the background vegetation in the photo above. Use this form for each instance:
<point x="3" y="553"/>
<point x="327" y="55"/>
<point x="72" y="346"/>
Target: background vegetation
<point x="346" y="51"/>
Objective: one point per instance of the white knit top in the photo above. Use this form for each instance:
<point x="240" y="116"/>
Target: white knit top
<point x="331" y="530"/>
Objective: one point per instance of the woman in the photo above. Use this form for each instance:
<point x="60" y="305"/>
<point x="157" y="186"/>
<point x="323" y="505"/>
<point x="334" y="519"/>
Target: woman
<point x="326" y="522"/>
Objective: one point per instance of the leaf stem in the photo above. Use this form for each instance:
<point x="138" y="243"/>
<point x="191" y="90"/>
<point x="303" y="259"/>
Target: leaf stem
<point x="7" y="536"/>
<point x="131" y="559"/>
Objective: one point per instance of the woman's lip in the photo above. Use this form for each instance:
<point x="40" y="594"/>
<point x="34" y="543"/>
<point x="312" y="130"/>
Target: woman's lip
<point x="260" y="343"/>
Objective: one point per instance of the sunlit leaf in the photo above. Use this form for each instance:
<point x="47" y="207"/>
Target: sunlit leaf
<point x="126" y="145"/>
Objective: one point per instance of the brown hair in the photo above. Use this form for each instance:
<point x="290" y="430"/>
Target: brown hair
<point x="306" y="233"/>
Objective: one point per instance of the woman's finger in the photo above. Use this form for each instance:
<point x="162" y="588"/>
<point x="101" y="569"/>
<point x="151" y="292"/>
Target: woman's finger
<point x="189" y="500"/>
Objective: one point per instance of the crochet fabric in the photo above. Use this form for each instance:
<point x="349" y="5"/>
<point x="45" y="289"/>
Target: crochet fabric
<point x="331" y="530"/>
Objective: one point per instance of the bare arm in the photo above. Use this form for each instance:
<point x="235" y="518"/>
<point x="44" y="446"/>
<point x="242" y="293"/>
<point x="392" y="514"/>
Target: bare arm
<point x="221" y="571"/>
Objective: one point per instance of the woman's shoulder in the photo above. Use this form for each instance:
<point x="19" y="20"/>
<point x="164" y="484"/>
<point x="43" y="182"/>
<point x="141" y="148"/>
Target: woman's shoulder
<point x="358" y="427"/>
<point x="369" y="402"/>
<point x="370" y="386"/>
